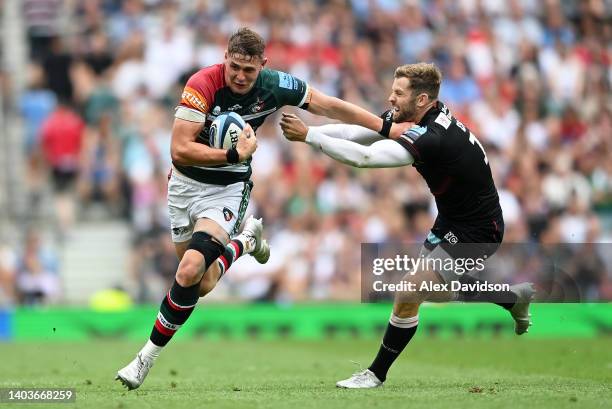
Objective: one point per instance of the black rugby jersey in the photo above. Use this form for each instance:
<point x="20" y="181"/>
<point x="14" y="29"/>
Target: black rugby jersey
<point x="454" y="165"/>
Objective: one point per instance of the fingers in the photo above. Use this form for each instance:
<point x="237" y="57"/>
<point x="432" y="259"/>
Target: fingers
<point x="288" y="118"/>
<point x="289" y="122"/>
<point x="248" y="131"/>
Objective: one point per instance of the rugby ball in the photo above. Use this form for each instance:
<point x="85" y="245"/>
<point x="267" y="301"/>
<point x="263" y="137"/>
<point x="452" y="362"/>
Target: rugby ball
<point x="225" y="129"/>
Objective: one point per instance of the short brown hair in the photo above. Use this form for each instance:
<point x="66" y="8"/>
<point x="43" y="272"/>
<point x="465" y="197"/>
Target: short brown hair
<point x="246" y="42"/>
<point x="424" y="78"/>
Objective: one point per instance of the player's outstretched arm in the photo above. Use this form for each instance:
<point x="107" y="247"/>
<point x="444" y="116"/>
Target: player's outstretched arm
<point x="381" y="154"/>
<point x="335" y="108"/>
<point x="186" y="151"/>
<point x="353" y="133"/>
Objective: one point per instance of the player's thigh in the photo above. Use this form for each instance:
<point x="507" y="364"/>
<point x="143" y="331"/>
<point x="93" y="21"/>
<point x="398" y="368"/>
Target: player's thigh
<point x="190" y="201"/>
<point x="434" y="276"/>
<point x="181" y="194"/>
<point x="425" y="284"/>
<point x="224" y="205"/>
<point x="181" y="248"/>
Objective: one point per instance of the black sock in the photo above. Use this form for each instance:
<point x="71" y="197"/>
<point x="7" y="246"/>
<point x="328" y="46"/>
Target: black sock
<point x="175" y="308"/>
<point x="505" y="299"/>
<point x="398" y="334"/>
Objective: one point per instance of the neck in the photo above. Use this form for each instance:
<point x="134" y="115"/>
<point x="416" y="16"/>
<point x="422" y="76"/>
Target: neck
<point x="424" y="110"/>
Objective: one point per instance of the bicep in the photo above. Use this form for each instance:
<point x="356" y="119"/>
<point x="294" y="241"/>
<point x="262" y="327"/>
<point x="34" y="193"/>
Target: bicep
<point x="387" y="153"/>
<point x="184" y="131"/>
<point x="319" y="103"/>
<point x="354" y="133"/>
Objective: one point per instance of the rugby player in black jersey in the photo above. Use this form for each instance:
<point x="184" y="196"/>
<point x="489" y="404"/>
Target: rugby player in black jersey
<point x="456" y="168"/>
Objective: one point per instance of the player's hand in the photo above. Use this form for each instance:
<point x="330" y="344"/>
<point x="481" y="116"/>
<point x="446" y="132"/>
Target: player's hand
<point x="397" y="129"/>
<point x="247" y="143"/>
<point x="293" y="127"/>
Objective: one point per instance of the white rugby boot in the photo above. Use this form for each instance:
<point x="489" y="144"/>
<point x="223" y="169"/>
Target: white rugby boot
<point x="134" y="374"/>
<point x="361" y="380"/>
<point x="251" y="237"/>
<point x="520" y="311"/>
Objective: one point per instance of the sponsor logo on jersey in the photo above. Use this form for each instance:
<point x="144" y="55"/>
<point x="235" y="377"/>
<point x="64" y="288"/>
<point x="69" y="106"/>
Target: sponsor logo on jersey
<point x="256" y="106"/>
<point x="451" y="238"/>
<point x="216" y="110"/>
<point x="194" y="99"/>
<point x="433" y="239"/>
<point x="235" y="107"/>
<point x="177" y="231"/>
<point x="227" y="214"/>
<point x="414" y="133"/>
<point x="286" y="81"/>
<point x="443" y="120"/>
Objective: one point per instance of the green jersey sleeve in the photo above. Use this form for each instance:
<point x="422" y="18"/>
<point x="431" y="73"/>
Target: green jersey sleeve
<point x="287" y="89"/>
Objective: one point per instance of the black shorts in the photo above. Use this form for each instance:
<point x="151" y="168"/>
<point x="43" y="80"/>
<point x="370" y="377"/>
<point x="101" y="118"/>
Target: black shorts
<point x="63" y="180"/>
<point x="463" y="240"/>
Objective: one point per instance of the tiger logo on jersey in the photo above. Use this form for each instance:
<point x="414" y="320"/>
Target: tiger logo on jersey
<point x="227" y="214"/>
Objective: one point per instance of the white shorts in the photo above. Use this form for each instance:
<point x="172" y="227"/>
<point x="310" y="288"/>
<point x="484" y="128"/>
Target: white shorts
<point x="190" y="200"/>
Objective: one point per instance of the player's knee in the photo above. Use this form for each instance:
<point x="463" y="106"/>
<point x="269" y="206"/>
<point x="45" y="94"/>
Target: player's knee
<point x="207" y="246"/>
<point x="409" y="297"/>
<point x="406" y="310"/>
<point x="189" y="271"/>
<point x="416" y="292"/>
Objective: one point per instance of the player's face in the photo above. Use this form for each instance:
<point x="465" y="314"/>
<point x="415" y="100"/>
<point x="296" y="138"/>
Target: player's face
<point x="402" y="100"/>
<point x="241" y="72"/>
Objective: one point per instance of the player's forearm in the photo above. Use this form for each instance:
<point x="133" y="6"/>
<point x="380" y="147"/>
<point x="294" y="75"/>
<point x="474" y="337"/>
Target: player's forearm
<point x="354" y="133"/>
<point x="184" y="149"/>
<point x="197" y="154"/>
<point x="381" y="154"/>
<point x="353" y="114"/>
<point x="343" y="111"/>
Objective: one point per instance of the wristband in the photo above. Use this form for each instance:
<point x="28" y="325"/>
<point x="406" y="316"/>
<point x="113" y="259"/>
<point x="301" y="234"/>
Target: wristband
<point x="232" y="155"/>
<point x="387" y="118"/>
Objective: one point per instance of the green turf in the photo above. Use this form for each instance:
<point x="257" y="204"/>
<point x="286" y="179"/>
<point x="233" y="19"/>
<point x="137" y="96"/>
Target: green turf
<point x="509" y="373"/>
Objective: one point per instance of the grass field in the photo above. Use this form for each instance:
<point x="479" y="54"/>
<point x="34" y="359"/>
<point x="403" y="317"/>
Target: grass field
<point x="507" y="373"/>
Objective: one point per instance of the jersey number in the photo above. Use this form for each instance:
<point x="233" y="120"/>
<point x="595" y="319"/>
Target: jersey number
<point x="475" y="140"/>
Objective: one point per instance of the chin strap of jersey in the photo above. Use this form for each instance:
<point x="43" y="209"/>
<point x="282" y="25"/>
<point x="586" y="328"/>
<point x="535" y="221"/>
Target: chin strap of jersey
<point x="387" y="118"/>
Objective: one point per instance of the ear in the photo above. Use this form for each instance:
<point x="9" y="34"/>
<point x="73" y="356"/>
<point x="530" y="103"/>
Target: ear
<point x="264" y="61"/>
<point x="423" y="99"/>
<point x="225" y="55"/>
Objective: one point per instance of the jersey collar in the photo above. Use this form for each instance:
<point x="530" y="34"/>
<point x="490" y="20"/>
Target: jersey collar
<point x="431" y="112"/>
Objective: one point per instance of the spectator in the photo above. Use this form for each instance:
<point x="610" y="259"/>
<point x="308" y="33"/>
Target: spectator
<point x="37" y="280"/>
<point x="61" y="139"/>
<point x="531" y="80"/>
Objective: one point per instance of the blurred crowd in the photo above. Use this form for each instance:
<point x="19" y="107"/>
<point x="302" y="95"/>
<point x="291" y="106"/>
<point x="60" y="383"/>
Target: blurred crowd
<point x="531" y="79"/>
